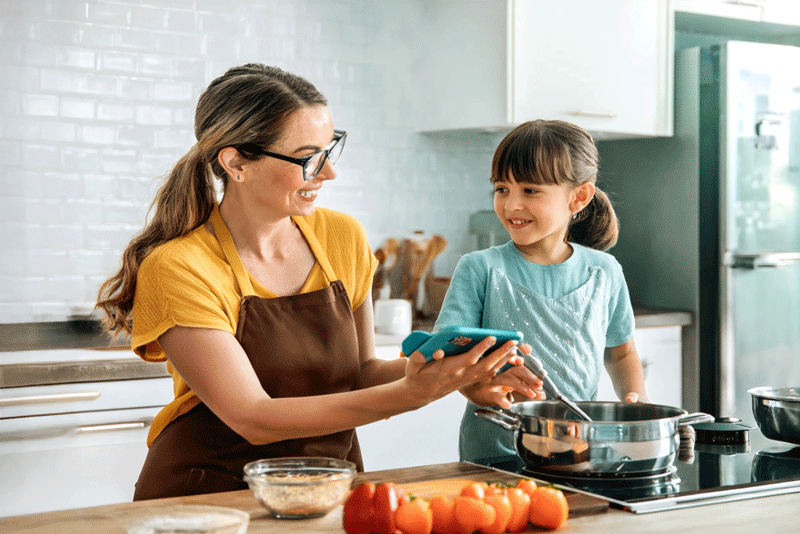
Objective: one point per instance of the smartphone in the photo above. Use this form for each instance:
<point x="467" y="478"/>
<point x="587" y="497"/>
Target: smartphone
<point x="453" y="340"/>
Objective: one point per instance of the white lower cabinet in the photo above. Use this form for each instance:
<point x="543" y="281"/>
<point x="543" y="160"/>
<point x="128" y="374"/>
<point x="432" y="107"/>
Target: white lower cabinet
<point x="660" y="350"/>
<point x="425" y="436"/>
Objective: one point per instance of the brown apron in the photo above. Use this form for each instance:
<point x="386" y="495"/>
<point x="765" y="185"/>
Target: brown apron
<point x="299" y="345"/>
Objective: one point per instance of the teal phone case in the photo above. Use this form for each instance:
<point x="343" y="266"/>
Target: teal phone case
<point x="453" y="340"/>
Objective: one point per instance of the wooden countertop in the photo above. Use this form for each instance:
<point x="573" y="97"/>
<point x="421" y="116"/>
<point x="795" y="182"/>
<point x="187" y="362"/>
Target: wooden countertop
<point x="765" y="515"/>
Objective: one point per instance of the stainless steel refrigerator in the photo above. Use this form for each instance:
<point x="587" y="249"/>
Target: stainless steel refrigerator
<point x="749" y="220"/>
<point x="710" y="220"/>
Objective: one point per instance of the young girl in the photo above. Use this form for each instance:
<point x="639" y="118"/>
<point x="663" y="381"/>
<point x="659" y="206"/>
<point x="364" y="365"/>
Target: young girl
<point x="552" y="281"/>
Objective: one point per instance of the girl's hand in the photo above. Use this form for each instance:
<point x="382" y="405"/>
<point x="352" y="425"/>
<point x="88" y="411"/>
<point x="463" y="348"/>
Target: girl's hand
<point x="497" y="390"/>
<point x="635" y="398"/>
<point x="429" y="381"/>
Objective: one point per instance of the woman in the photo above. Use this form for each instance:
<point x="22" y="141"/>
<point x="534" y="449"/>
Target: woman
<point x="261" y="304"/>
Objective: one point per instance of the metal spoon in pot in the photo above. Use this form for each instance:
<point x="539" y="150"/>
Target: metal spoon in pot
<point x="535" y="365"/>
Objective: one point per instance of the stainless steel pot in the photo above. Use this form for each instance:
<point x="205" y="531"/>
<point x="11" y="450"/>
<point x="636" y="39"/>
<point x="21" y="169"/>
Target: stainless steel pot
<point x="621" y="438"/>
<point x="777" y="412"/>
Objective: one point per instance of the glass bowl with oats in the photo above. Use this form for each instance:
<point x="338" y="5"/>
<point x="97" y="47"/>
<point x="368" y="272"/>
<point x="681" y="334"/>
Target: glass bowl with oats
<point x="299" y="488"/>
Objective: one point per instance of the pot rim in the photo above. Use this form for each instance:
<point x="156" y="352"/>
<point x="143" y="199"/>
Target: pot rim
<point x="788" y="394"/>
<point x="679" y="416"/>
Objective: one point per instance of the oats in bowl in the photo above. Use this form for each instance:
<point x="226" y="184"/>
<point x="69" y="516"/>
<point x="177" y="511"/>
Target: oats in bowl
<point x="299" y="488"/>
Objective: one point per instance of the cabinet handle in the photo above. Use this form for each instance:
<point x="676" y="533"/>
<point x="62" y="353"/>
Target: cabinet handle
<point x="109" y="427"/>
<point x="597" y="114"/>
<point x="53" y="397"/>
<point x="755" y="3"/>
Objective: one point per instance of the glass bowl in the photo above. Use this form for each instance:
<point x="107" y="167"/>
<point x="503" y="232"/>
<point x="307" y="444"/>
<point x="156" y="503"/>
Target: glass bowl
<point x="299" y="488"/>
<point x="197" y="519"/>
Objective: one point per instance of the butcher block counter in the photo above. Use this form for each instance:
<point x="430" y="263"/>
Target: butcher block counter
<point x="764" y="515"/>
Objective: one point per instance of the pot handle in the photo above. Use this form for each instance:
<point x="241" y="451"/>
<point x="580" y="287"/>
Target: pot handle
<point x="696" y="417"/>
<point x="509" y="422"/>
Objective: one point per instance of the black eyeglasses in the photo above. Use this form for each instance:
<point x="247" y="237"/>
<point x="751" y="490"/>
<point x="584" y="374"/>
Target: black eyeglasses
<point x="312" y="163"/>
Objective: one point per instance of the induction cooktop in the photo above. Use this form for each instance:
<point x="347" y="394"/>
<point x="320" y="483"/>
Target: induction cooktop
<point x="717" y="473"/>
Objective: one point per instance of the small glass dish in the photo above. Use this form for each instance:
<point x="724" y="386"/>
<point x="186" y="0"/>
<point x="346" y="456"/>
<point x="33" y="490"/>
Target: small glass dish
<point x="189" y="519"/>
<point x="299" y="488"/>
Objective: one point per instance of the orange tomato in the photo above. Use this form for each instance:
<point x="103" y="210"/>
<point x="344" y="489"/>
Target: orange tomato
<point x="414" y="517"/>
<point x="474" y="489"/>
<point x="520" y="509"/>
<point x="493" y="489"/>
<point x="503" y="510"/>
<point x="444" y="515"/>
<point x="473" y="514"/>
<point x="549" y="508"/>
<point x="527" y="485"/>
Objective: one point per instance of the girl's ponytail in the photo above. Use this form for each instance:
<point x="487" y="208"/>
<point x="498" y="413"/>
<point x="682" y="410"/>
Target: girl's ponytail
<point x="596" y="226"/>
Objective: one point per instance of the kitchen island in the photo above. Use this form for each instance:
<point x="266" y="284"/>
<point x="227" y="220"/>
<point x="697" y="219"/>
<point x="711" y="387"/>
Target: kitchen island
<point x="765" y="515"/>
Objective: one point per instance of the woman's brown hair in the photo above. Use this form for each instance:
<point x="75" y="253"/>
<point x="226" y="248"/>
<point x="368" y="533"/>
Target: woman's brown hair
<point x="249" y="104"/>
<point x="557" y="152"/>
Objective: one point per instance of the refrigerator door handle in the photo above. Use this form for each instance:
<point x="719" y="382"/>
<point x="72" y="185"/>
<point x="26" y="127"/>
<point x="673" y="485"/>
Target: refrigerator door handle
<point x="757" y="261"/>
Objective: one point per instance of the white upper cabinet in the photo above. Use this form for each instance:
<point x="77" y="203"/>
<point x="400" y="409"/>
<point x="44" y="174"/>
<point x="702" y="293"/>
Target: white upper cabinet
<point x="606" y="66"/>
<point x="784" y="12"/>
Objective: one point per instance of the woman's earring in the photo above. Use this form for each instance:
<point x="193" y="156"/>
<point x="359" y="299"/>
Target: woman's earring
<point x="239" y="179"/>
<point x="574" y="215"/>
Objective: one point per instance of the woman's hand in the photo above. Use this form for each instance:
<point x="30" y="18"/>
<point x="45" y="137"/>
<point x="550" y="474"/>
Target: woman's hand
<point x="429" y="381"/>
<point x="498" y="389"/>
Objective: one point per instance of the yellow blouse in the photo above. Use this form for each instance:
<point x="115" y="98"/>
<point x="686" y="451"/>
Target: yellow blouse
<point x="188" y="282"/>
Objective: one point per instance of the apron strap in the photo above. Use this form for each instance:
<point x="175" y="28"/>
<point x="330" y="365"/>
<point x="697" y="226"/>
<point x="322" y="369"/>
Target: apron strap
<point x="242" y="276"/>
<point x="229" y="249"/>
<point x="316" y="248"/>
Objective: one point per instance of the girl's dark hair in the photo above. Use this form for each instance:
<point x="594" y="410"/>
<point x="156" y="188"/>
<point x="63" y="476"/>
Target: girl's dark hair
<point x="249" y="104"/>
<point x="554" y="153"/>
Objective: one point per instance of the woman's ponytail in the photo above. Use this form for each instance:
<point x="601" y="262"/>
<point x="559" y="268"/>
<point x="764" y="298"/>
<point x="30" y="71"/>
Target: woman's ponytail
<point x="183" y="203"/>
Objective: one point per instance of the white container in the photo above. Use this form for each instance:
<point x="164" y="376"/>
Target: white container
<point x="393" y="317"/>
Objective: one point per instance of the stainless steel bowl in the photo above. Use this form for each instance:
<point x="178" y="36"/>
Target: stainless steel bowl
<point x="777" y="412"/>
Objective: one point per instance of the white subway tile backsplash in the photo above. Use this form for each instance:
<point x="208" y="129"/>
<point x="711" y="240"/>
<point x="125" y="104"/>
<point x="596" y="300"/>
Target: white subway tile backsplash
<point x="117" y="112"/>
<point x="71" y="107"/>
<point x="98" y="101"/>
<point x="118" y="161"/>
<point x="79" y="157"/>
<point x="120" y="62"/>
<point x="40" y="105"/>
<point x="76" y="57"/>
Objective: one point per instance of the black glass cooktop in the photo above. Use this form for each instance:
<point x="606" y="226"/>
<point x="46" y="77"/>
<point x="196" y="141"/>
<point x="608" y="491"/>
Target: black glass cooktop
<point x="717" y="473"/>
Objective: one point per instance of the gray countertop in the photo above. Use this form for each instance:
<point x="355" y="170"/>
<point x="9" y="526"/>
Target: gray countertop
<point x="105" y="360"/>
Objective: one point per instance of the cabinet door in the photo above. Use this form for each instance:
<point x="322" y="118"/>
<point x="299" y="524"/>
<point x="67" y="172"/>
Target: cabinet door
<point x="660" y="351"/>
<point x="784" y="12"/>
<point x="606" y="66"/>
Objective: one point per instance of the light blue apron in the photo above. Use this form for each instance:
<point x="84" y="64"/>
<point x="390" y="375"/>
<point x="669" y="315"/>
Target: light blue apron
<point x="567" y="334"/>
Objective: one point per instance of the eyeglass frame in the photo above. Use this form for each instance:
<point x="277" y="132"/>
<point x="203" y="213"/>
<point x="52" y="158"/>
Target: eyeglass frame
<point x="256" y="150"/>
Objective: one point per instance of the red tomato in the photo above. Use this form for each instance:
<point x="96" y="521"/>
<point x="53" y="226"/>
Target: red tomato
<point x="414" y="517"/>
<point x="520" y="509"/>
<point x="357" y="510"/>
<point x="444" y="518"/>
<point x="473" y="514"/>
<point x="384" y="505"/>
<point x="503" y="512"/>
<point x="549" y="508"/>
